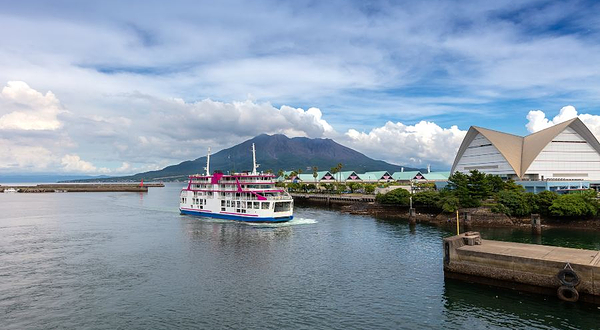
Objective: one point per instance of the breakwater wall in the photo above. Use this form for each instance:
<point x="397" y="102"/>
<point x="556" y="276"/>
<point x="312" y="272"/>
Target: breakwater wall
<point x="91" y="187"/>
<point x="571" y="274"/>
<point x="331" y="199"/>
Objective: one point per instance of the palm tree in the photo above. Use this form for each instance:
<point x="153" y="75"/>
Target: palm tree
<point x="315" y="169"/>
<point x="339" y="170"/>
<point x="280" y="173"/>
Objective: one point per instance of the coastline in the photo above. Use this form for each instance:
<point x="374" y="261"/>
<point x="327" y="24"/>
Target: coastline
<point x="478" y="217"/>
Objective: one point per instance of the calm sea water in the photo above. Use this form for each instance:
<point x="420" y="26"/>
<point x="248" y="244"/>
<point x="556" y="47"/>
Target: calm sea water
<point x="131" y="261"/>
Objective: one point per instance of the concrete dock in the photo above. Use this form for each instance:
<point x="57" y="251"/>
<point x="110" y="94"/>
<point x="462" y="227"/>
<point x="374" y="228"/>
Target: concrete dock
<point x="80" y="187"/>
<point x="524" y="267"/>
<point x="325" y="198"/>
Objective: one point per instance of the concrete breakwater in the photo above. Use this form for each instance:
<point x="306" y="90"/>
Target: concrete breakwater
<point x="570" y="274"/>
<point x="91" y="187"/>
<point x="332" y="199"/>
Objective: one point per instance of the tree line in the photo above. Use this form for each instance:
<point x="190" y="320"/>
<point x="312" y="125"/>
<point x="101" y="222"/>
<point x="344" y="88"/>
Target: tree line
<point x="502" y="196"/>
<point x="329" y="188"/>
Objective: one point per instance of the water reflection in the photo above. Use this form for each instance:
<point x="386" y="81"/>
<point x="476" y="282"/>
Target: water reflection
<point x="229" y="233"/>
<point x="486" y="306"/>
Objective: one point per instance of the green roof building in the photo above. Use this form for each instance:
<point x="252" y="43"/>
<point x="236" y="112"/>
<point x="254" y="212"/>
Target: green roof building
<point x="376" y="176"/>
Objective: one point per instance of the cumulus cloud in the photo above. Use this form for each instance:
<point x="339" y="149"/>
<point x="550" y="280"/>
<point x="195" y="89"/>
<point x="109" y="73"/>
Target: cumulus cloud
<point x="24" y="157"/>
<point x="74" y="164"/>
<point x="419" y="144"/>
<point x="175" y="129"/>
<point x="537" y="119"/>
<point x="24" y="108"/>
<point x="153" y="132"/>
<point x="247" y="118"/>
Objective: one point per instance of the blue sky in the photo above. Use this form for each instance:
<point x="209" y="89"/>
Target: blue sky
<point x="140" y="85"/>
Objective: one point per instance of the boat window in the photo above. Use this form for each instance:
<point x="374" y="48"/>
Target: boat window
<point x="265" y="205"/>
<point x="256" y="205"/>
<point x="283" y="206"/>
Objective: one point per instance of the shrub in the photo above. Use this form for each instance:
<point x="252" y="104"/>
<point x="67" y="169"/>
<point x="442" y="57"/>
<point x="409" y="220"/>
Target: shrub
<point x="449" y="203"/>
<point x="574" y="205"/>
<point x="514" y="202"/>
<point x="542" y="202"/>
<point x="397" y="196"/>
<point x="354" y="186"/>
<point x="369" y="188"/>
<point x="426" y="198"/>
<point x="500" y="208"/>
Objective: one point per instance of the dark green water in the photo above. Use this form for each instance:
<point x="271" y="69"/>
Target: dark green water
<point x="131" y="261"/>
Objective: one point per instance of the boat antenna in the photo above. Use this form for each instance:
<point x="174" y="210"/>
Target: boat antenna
<point x="254" y="165"/>
<point x="207" y="168"/>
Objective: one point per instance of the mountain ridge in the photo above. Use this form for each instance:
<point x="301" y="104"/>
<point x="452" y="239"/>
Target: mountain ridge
<point x="274" y="152"/>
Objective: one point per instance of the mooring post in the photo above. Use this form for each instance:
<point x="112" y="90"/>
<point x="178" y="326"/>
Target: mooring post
<point x="466" y="216"/>
<point x="412" y="216"/>
<point x="536" y="224"/>
<point x="457" y="224"/>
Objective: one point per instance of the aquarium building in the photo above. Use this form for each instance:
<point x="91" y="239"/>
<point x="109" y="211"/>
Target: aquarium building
<point x="568" y="151"/>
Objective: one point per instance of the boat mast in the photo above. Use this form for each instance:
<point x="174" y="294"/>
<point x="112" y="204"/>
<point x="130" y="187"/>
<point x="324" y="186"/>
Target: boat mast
<point x="254" y="165"/>
<point x="207" y="168"/>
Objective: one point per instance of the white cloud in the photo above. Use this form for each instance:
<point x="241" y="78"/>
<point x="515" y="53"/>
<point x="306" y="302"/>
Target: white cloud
<point x="125" y="167"/>
<point x="23" y="157"/>
<point x="419" y="144"/>
<point x="152" y="132"/>
<point x="24" y="108"/>
<point x="174" y="127"/>
<point x="537" y="119"/>
<point x="74" y="164"/>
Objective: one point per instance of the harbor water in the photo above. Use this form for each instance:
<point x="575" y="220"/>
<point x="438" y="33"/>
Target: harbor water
<point x="119" y="260"/>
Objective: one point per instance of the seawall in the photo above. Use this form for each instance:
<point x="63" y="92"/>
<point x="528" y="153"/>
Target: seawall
<point x="524" y="267"/>
<point x="91" y="187"/>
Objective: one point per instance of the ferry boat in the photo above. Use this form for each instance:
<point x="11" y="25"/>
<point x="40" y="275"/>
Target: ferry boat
<point x="251" y="197"/>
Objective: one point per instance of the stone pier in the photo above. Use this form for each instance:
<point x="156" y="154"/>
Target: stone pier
<point x="523" y="267"/>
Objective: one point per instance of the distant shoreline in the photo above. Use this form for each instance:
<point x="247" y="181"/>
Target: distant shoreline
<point x="79" y="187"/>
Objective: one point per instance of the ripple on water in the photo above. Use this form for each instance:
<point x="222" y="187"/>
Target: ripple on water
<point x="131" y="261"/>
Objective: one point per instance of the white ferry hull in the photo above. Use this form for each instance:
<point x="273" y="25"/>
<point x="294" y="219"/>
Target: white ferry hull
<point x="234" y="216"/>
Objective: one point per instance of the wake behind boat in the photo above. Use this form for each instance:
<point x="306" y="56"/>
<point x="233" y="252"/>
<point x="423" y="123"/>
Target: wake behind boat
<point x="249" y="197"/>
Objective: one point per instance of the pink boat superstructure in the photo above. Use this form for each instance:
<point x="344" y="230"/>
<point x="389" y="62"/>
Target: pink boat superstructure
<point x="238" y="196"/>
